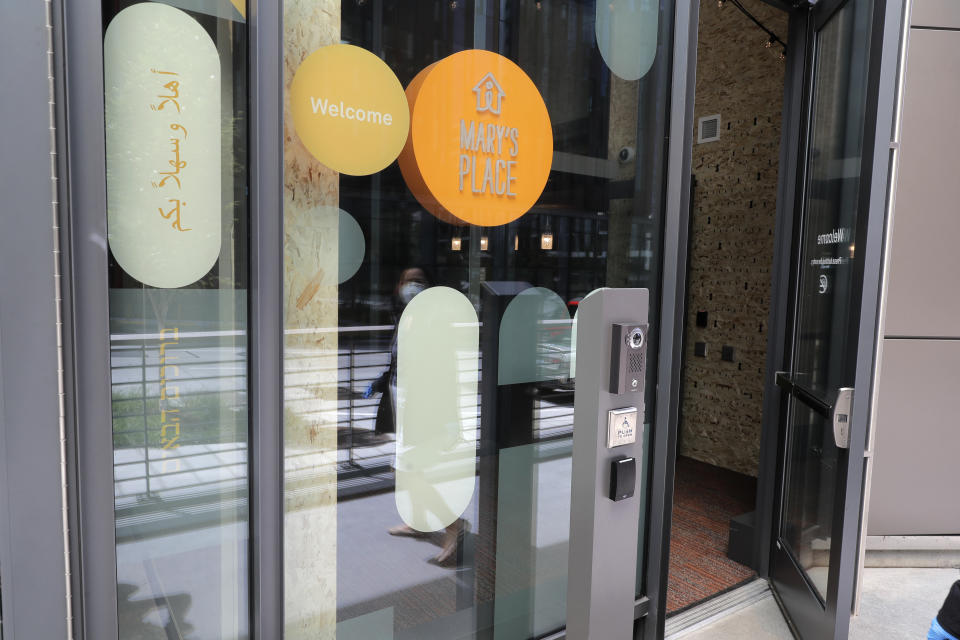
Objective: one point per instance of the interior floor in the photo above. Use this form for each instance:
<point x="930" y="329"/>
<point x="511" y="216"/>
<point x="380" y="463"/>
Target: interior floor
<point x="705" y="498"/>
<point x="734" y="162"/>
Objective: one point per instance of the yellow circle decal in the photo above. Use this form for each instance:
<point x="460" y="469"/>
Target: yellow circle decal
<point x="349" y="109"/>
<point x="481" y="144"/>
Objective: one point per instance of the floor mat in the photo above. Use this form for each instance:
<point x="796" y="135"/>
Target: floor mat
<point x="705" y="498"/>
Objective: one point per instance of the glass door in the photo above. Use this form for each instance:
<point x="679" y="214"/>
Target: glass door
<point x="176" y="134"/>
<point x="457" y="176"/>
<point x="817" y="499"/>
<point x="509" y="159"/>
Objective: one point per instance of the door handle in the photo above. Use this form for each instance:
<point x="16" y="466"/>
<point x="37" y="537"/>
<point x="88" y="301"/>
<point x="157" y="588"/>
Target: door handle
<point x="803" y="394"/>
<point x="838" y="412"/>
<point x="840" y="417"/>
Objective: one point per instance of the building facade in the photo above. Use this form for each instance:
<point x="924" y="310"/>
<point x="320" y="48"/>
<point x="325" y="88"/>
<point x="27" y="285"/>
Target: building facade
<point x="295" y="297"/>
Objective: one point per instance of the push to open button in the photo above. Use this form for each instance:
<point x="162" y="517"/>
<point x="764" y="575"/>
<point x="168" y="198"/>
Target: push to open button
<point x="621" y="427"/>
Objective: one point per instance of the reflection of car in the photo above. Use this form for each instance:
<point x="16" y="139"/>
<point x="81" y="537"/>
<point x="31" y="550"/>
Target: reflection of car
<point x="553" y="361"/>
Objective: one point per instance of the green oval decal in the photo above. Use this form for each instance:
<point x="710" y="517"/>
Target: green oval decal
<point x="438" y="362"/>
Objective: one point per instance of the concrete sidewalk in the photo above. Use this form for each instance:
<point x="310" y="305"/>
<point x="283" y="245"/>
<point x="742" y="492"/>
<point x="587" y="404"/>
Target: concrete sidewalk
<point x="897" y="604"/>
<point x="900" y="603"/>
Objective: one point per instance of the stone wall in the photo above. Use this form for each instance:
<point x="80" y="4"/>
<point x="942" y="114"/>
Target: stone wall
<point x="731" y="235"/>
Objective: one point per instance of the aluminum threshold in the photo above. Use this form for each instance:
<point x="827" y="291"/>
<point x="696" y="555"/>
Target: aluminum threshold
<point x="716" y="608"/>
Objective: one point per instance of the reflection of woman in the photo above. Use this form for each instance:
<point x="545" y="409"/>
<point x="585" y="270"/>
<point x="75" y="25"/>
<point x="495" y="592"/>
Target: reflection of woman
<point x="412" y="281"/>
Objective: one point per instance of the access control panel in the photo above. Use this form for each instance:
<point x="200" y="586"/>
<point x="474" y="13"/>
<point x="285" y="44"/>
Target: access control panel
<point x="623" y="478"/>
<point x="628" y="357"/>
<point x="609" y="463"/>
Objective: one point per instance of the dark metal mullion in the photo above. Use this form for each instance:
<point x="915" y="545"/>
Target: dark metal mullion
<point x="780" y="421"/>
<point x="266" y="319"/>
<point x="798" y="252"/>
<point x="794" y="252"/>
<point x="794" y="209"/>
<point x="664" y="437"/>
<point x="32" y="563"/>
<point x="886" y="32"/>
<point x="781" y="308"/>
<point x="68" y="334"/>
<point x="86" y="260"/>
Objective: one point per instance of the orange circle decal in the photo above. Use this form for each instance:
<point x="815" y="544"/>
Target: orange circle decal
<point x="480" y="145"/>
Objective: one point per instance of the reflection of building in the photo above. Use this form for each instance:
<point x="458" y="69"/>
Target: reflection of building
<point x="191" y="497"/>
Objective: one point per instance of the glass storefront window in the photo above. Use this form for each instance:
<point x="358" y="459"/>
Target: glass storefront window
<point x="428" y="316"/>
<point x="176" y="140"/>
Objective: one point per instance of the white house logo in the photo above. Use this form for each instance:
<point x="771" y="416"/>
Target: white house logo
<point x="489" y="94"/>
<point x="488" y="149"/>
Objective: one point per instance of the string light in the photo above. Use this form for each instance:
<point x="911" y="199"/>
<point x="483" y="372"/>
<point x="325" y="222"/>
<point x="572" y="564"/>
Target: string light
<point x="546" y="238"/>
<point x="772" y="38"/>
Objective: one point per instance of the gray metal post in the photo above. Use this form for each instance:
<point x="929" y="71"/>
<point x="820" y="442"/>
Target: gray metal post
<point x="603" y="533"/>
<point x="33" y="567"/>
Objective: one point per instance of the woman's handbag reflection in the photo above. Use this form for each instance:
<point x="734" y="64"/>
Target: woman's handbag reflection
<point x="412" y="281"/>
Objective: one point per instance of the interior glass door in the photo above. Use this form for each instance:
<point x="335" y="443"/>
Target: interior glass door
<point x="430" y="301"/>
<point x="828" y="281"/>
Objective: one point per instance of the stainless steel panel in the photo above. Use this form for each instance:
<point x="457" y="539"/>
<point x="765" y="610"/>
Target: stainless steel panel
<point x="915" y="448"/>
<point x="603" y="552"/>
<point x="936" y="13"/>
<point x="924" y="259"/>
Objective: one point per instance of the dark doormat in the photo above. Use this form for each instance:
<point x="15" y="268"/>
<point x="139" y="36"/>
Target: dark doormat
<point x="705" y="499"/>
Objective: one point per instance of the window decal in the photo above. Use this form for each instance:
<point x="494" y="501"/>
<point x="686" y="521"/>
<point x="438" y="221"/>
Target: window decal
<point x="438" y="364"/>
<point x="162" y="116"/>
<point x="534" y="338"/>
<point x="481" y="142"/>
<point x="349" y="109"/>
<point x="627" y="36"/>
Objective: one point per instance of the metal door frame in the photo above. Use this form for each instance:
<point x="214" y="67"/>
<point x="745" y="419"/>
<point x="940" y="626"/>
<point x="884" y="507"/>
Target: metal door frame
<point x="672" y="308"/>
<point x="878" y="156"/>
<point x="78" y="28"/>
<point x="34" y="588"/>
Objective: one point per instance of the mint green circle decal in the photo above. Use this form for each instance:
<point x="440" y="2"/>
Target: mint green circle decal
<point x="627" y="35"/>
<point x="351" y="247"/>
